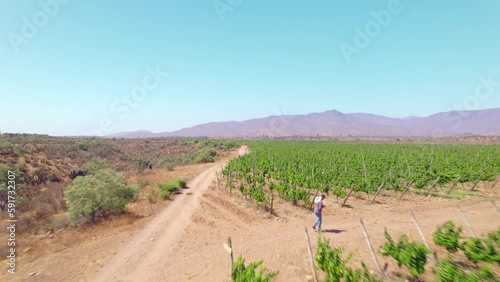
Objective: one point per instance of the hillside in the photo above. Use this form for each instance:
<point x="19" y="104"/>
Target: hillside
<point x="335" y="124"/>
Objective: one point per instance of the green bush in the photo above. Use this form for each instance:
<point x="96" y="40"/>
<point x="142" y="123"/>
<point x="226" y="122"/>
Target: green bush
<point x="448" y="236"/>
<point x="96" y="165"/>
<point x="334" y="264"/>
<point x="165" y="194"/>
<point x="242" y="273"/>
<point x="181" y="182"/>
<point x="6" y="147"/>
<point x="171" y="186"/>
<point x="446" y="271"/>
<point x="167" y="188"/>
<point x="206" y="155"/>
<point x="102" y="193"/>
<point x="83" y="145"/>
<point x="409" y="254"/>
<point x="4" y="177"/>
<point x="477" y="249"/>
<point x="228" y="145"/>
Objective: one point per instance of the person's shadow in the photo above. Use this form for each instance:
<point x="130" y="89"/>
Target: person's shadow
<point x="336" y="231"/>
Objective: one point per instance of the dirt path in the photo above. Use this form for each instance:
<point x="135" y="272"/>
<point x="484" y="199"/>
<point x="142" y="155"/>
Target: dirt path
<point x="139" y="259"/>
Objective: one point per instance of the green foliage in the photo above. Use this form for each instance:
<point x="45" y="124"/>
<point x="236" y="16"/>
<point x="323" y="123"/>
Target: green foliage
<point x="83" y="145"/>
<point x="409" y="254"/>
<point x="334" y="264"/>
<point x="4" y="170"/>
<point x="181" y="182"/>
<point x="228" y="145"/>
<point x="170" y="187"/>
<point x="446" y="271"/>
<point x="242" y="273"/>
<point x="477" y="249"/>
<point x="6" y="147"/>
<point x="142" y="163"/>
<point x="102" y="193"/>
<point x="448" y="236"/>
<point x="494" y="236"/>
<point x="96" y="165"/>
<point x="206" y="155"/>
<point x="306" y="165"/>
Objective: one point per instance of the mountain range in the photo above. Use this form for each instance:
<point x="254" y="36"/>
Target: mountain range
<point x="336" y="124"/>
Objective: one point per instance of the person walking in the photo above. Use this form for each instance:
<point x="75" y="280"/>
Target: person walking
<point x="318" y="208"/>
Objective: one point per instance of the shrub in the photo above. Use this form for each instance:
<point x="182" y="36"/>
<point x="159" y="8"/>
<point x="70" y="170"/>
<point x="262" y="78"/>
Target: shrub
<point x="477" y="250"/>
<point x="142" y="163"/>
<point x="169" y="166"/>
<point x="448" y="236"/>
<point x="3" y="175"/>
<point x="242" y="273"/>
<point x="167" y="188"/>
<point x="446" y="271"/>
<point x="171" y="186"/>
<point x="83" y="145"/>
<point x="96" y="165"/>
<point x="409" y="254"/>
<point x="165" y="194"/>
<point x="6" y="147"/>
<point x="181" y="182"/>
<point x="53" y="177"/>
<point x="334" y="264"/>
<point x="228" y="145"/>
<point x="102" y="193"/>
<point x="206" y="155"/>
<point x="153" y="194"/>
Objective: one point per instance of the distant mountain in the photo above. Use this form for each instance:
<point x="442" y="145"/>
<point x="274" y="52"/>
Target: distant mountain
<point x="334" y="123"/>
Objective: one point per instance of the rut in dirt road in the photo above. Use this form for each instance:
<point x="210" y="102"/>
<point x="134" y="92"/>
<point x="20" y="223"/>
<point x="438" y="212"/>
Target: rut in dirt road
<point x="140" y="259"/>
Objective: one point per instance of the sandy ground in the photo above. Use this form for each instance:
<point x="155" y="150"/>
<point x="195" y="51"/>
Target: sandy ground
<point x="184" y="241"/>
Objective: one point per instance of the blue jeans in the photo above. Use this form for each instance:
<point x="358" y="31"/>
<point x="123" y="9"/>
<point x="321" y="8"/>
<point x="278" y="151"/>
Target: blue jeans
<point x="318" y="222"/>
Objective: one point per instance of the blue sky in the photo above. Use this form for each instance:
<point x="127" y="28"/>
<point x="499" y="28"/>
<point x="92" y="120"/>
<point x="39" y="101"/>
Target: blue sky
<point x="65" y="66"/>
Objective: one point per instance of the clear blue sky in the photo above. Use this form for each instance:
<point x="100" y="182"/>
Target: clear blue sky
<point x="258" y="59"/>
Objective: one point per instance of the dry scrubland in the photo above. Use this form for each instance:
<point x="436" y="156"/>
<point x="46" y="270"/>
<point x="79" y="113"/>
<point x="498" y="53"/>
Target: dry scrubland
<point x="239" y="203"/>
<point x="43" y="164"/>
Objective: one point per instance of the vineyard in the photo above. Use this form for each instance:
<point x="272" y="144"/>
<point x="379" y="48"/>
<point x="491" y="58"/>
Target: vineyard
<point x="297" y="169"/>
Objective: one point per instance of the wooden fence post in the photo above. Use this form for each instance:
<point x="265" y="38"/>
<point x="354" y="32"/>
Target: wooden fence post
<point x="454" y="184"/>
<point x="348" y="195"/>
<point x="229" y="249"/>
<point x="434" y="255"/>
<point x="378" y="191"/>
<point x="374" y="256"/>
<point x="466" y="221"/>
<point x="405" y="190"/>
<point x="477" y="182"/>
<point x="495" y="183"/>
<point x="433" y="185"/>
<point x="495" y="204"/>
<point x="311" y="258"/>
<point x="272" y="202"/>
<point x="312" y="202"/>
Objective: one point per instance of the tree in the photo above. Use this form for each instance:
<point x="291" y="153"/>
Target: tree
<point x="102" y="193"/>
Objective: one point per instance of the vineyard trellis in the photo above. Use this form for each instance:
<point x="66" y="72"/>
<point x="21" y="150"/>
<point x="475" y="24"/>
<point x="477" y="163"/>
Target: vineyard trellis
<point x="298" y="169"/>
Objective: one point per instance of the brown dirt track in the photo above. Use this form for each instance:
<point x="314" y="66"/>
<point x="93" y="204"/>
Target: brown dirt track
<point x="183" y="242"/>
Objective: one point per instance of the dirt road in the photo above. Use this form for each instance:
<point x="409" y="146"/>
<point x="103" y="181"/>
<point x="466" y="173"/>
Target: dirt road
<point x="140" y="259"/>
